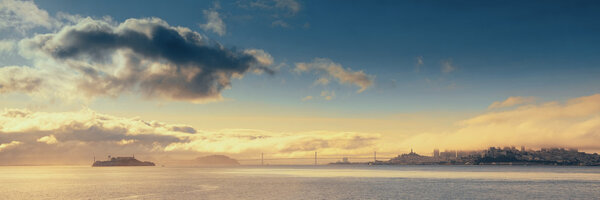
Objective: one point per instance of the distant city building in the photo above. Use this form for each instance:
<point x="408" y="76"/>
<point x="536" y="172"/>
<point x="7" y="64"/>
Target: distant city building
<point x="498" y="156"/>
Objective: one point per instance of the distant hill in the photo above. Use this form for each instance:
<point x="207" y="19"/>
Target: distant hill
<point x="216" y="160"/>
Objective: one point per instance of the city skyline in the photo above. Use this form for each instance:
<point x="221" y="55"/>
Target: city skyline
<point x="289" y="78"/>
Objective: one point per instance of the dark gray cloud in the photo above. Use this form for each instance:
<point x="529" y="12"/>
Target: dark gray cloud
<point x="144" y="55"/>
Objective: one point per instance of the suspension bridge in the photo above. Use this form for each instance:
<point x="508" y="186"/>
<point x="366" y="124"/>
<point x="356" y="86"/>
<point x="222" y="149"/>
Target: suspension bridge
<point x="317" y="159"/>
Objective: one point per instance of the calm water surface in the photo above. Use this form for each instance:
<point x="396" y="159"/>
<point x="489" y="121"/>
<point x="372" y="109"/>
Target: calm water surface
<point x="301" y="182"/>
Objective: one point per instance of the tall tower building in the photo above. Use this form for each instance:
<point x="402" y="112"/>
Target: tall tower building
<point x="436" y="153"/>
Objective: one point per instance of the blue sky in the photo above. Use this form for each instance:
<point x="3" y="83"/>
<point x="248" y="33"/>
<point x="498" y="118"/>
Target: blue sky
<point x="402" y="69"/>
<point x="545" y="48"/>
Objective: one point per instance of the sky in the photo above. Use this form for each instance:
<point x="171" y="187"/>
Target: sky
<point x="177" y="80"/>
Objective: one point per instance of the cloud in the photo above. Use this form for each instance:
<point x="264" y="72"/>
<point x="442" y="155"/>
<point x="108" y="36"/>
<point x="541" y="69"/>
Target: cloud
<point x="328" y="95"/>
<point x="447" y="66"/>
<point x="264" y="61"/>
<point x="10" y="145"/>
<point x="145" y="56"/>
<point x="20" y="79"/>
<point x="24" y="15"/>
<point x="419" y="63"/>
<point x="280" y="23"/>
<point x="511" y="101"/>
<point x="241" y="140"/>
<point x="7" y="46"/>
<point x="322" y="81"/>
<point x="330" y="70"/>
<point x="344" y="141"/>
<point x="49" y="139"/>
<point x="307" y="98"/>
<point x="126" y="142"/>
<point x="72" y="138"/>
<point x="291" y="7"/>
<point x="572" y="124"/>
<point x="306" y="25"/>
<point x="214" y="22"/>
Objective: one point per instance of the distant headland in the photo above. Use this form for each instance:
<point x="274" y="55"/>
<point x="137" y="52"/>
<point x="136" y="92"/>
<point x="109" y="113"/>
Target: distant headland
<point x="494" y="156"/>
<point x="216" y="160"/>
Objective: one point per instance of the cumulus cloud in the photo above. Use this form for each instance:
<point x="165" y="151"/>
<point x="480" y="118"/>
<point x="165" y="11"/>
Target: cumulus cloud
<point x="328" y="69"/>
<point x="572" y="124"/>
<point x="145" y="56"/>
<point x="214" y="22"/>
<point x="28" y="137"/>
<point x="511" y="101"/>
<point x="24" y="15"/>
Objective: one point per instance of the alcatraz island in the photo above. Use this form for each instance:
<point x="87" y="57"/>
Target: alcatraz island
<point x="494" y="156"/>
<point x="121" y="161"/>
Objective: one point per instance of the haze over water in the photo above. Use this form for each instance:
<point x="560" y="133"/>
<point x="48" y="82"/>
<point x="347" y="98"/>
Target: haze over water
<point x="301" y="182"/>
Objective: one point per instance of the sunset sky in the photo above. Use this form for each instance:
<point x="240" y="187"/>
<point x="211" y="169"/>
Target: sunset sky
<point x="177" y="80"/>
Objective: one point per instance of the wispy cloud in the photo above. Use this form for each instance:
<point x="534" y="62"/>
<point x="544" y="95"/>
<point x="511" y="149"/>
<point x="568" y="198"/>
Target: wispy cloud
<point x="330" y="70"/>
<point x="419" y="63"/>
<point x="328" y="95"/>
<point x="280" y="23"/>
<point x="214" y="22"/>
<point x="278" y="10"/>
<point x="7" y="46"/>
<point x="447" y="66"/>
<point x="512" y="101"/>
<point x="290" y="7"/>
<point x="264" y="59"/>
<point x="322" y="81"/>
<point x="307" y="98"/>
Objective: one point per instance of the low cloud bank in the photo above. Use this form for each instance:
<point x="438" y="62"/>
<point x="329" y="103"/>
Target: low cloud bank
<point x="572" y="124"/>
<point x="28" y="137"/>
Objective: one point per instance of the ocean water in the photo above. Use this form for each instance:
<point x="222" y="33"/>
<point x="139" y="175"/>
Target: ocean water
<point x="301" y="182"/>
